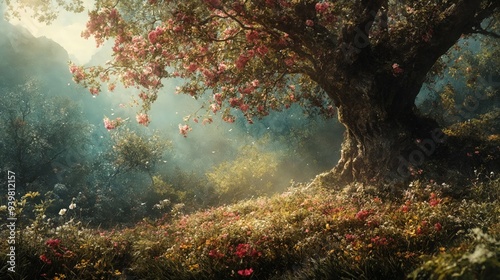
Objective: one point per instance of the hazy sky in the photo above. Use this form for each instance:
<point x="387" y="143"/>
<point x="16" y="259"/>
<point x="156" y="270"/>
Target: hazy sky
<point x="65" y="31"/>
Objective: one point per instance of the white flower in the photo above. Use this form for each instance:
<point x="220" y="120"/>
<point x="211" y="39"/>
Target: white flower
<point x="62" y="211"/>
<point x="72" y="206"/>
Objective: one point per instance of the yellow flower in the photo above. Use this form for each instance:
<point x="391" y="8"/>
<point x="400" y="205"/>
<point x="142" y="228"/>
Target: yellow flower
<point x="31" y="195"/>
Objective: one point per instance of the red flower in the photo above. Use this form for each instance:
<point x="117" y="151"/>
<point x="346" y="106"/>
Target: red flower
<point x="44" y="259"/>
<point x="350" y="237"/>
<point x="419" y="230"/>
<point x="404" y="208"/>
<point x="214" y="253"/>
<point x="433" y="200"/>
<point x="53" y="243"/>
<point x="245" y="272"/>
<point x="242" y="250"/>
<point x="363" y="214"/>
<point x="377" y="240"/>
<point x="438" y="226"/>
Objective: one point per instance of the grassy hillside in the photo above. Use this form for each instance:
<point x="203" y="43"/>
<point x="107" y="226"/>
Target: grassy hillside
<point x="308" y="232"/>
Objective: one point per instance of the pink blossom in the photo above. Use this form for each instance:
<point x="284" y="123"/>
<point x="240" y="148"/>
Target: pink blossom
<point x="322" y="7"/>
<point x="78" y="73"/>
<point x="234" y="101"/>
<point x="309" y="23"/>
<point x="244" y="107"/>
<point x="228" y="119"/>
<point x="183" y="129"/>
<point x="109" y="124"/>
<point x="73" y="69"/>
<point x="94" y="91"/>
<point x="255" y="83"/>
<point x="241" y="61"/>
<point x="209" y="75"/>
<point x="152" y="36"/>
<point x="262" y="50"/>
<point x="142" y="119"/>
<point x="214" y="108"/>
<point x="191" y="67"/>
<point x="143" y="96"/>
<point x="252" y="36"/>
<point x="218" y="98"/>
<point x="222" y="67"/>
<point x="111" y="87"/>
<point x="178" y="28"/>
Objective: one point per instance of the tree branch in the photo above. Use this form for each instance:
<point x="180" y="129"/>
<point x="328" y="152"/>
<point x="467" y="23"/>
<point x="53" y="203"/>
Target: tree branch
<point x="479" y="30"/>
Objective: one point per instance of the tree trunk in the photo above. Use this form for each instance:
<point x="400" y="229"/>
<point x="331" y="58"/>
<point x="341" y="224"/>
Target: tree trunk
<point x="374" y="88"/>
<point x="384" y="140"/>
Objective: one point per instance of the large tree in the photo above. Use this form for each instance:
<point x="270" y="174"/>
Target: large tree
<point x="365" y="60"/>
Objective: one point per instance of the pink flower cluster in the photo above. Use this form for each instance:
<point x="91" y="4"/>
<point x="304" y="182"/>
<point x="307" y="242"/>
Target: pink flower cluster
<point x="184" y="129"/>
<point x="154" y="34"/>
<point x="142" y="119"/>
<point x="78" y="73"/>
<point x="102" y="24"/>
<point x="323" y="7"/>
<point x="243" y="59"/>
<point x="252" y="36"/>
<point x="111" y="124"/>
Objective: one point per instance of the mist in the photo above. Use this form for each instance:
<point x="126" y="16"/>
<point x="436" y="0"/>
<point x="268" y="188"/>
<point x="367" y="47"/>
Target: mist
<point x="299" y="146"/>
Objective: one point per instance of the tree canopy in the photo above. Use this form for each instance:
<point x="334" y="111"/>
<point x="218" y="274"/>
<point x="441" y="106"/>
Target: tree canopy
<point x="364" y="60"/>
<point x="258" y="56"/>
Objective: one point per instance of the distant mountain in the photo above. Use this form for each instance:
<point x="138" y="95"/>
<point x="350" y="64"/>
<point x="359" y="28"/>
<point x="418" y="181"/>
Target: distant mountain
<point x="23" y="56"/>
